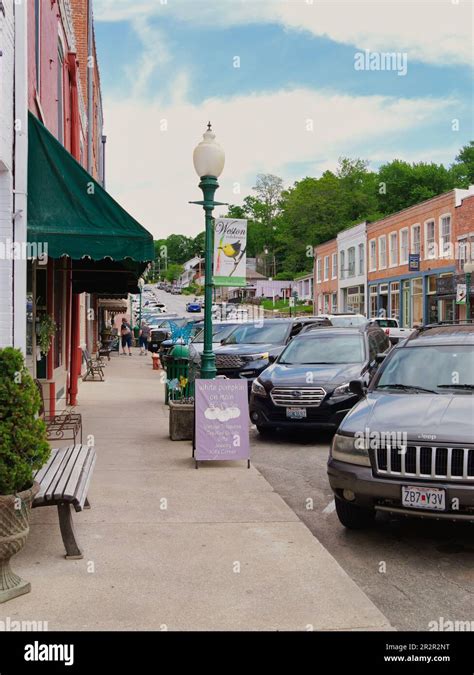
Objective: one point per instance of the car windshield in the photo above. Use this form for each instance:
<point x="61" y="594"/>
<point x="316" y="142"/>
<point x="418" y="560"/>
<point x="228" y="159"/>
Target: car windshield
<point x="218" y="333"/>
<point x="324" y="349"/>
<point x="347" y="321"/>
<point x="437" y="368"/>
<point x="253" y="335"/>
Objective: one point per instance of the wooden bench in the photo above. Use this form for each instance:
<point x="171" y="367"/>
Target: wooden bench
<point x="94" y="367"/>
<point x="63" y="426"/>
<point x="64" y="482"/>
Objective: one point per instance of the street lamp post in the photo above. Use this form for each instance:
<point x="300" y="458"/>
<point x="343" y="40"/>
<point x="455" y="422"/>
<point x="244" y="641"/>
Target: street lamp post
<point x="209" y="160"/>
<point x="141" y="283"/>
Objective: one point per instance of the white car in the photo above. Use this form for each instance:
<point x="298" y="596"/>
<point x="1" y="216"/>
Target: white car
<point x="392" y="328"/>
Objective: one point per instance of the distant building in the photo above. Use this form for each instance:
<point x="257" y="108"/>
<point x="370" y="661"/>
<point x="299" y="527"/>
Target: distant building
<point x="351" y="245"/>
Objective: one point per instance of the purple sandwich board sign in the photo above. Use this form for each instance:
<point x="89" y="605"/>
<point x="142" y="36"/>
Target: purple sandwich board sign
<point x="222" y="420"/>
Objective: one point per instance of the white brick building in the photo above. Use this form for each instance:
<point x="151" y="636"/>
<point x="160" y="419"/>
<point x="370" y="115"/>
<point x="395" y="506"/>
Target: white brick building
<point x="13" y="157"/>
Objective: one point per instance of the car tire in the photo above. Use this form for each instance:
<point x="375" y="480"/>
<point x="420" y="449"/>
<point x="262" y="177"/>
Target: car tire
<point x="354" y="517"/>
<point x="265" y="431"/>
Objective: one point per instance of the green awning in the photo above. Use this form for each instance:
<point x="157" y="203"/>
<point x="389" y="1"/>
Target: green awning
<point x="71" y="212"/>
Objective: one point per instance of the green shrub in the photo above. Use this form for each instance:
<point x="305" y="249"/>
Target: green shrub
<point x="23" y="444"/>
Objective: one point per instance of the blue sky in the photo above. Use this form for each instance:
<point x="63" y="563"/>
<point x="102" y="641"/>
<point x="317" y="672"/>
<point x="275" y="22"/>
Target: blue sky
<point x="173" y="65"/>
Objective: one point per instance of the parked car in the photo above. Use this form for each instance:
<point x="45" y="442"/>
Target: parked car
<point x="162" y="332"/>
<point x="194" y="306"/>
<point x="220" y="330"/>
<point x="248" y="350"/>
<point x="392" y="329"/>
<point x="307" y="386"/>
<point x="345" y="319"/>
<point x="407" y="447"/>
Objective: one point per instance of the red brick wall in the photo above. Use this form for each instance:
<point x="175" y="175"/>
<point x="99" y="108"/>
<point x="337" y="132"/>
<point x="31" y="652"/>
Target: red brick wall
<point x="431" y="209"/>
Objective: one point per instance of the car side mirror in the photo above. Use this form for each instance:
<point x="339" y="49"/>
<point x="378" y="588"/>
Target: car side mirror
<point x="272" y="358"/>
<point x="380" y="357"/>
<point x="357" y="387"/>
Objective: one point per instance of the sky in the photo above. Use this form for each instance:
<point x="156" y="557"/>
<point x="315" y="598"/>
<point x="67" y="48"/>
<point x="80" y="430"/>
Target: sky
<point x="289" y="86"/>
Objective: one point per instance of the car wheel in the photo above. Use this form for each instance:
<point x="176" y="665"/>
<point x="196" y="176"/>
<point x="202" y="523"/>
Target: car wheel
<point x="265" y="431"/>
<point x="354" y="517"/>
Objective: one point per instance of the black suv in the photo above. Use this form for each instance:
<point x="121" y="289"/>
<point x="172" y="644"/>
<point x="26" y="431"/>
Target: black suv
<point x="252" y="346"/>
<point x="408" y="446"/>
<point x="308" y="385"/>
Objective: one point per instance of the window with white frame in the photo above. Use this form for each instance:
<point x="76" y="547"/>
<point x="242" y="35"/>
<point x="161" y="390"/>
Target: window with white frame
<point x="318" y="270"/>
<point x="334" y="266"/>
<point x="382" y="252"/>
<point x="334" y="303"/>
<point x="326" y="268"/>
<point x="342" y="256"/>
<point x="404" y="248"/>
<point x="393" y="249"/>
<point x="430" y="240"/>
<point x="416" y="238"/>
<point x="351" y="260"/>
<point x="361" y="258"/>
<point x="373" y="255"/>
<point x="445" y="235"/>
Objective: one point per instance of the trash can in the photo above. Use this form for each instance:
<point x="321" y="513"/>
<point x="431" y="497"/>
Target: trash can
<point x="180" y="374"/>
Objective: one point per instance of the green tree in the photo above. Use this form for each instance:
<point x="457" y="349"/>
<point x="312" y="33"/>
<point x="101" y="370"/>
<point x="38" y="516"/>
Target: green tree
<point x="402" y="184"/>
<point x="462" y="170"/>
<point x="173" y="272"/>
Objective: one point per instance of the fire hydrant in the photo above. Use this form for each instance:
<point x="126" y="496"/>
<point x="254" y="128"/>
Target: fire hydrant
<point x="156" y="361"/>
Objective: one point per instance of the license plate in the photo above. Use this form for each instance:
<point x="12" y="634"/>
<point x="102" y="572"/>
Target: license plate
<point x="296" y="413"/>
<point x="423" y="498"/>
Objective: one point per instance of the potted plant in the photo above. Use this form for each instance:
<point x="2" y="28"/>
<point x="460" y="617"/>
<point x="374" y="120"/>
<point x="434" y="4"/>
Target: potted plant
<point x="23" y="450"/>
<point x="181" y="419"/>
<point x="45" y="333"/>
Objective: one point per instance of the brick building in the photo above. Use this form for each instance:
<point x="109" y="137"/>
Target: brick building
<point x="326" y="277"/>
<point x="464" y="237"/>
<point x="52" y="198"/>
<point x="411" y="256"/>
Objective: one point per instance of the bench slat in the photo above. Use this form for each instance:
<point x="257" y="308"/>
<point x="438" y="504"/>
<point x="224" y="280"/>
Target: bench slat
<point x="54" y="470"/>
<point x="85" y="479"/>
<point x="74" y="457"/>
<point x="39" y="475"/>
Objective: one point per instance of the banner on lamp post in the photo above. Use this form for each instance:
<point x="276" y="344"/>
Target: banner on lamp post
<point x="461" y="292"/>
<point x="222" y="420"/>
<point x="230" y="258"/>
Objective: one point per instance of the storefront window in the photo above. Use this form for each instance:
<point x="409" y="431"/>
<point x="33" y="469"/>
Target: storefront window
<point x="417" y="301"/>
<point x="373" y="301"/>
<point x="395" y="300"/>
<point x="432" y="305"/>
<point x="406" y="303"/>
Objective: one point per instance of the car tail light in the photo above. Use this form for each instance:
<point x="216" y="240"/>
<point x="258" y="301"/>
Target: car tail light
<point x="387" y="331"/>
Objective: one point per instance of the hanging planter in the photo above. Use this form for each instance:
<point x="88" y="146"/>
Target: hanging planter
<point x="45" y="332"/>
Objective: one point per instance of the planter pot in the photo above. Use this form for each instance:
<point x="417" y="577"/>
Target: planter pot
<point x="181" y="421"/>
<point x="14" y="528"/>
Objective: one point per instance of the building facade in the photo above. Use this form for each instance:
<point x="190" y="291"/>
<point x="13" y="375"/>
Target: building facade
<point x="351" y="251"/>
<point x="304" y="286"/>
<point x="411" y="261"/>
<point x="326" y="277"/>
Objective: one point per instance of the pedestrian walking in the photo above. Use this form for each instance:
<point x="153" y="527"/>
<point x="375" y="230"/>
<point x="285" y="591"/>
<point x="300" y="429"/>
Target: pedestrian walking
<point x="126" y="334"/>
<point x="143" y="337"/>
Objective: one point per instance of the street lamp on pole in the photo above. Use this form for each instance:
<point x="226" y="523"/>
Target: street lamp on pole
<point x="209" y="160"/>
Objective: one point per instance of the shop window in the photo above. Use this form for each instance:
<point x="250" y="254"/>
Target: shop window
<point x="417" y="301"/>
<point x="326" y="268"/>
<point x="395" y="300"/>
<point x="361" y="259"/>
<point x="334" y="266"/>
<point x="318" y="270"/>
<point x="373" y="301"/>
<point x="58" y="318"/>
<point x="351" y="261"/>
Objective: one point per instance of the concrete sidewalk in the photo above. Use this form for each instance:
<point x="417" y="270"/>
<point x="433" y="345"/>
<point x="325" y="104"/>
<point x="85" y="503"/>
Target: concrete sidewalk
<point x="169" y="547"/>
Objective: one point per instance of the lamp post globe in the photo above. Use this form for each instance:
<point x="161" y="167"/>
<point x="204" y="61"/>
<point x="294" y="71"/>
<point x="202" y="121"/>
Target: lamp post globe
<point x="208" y="160"/>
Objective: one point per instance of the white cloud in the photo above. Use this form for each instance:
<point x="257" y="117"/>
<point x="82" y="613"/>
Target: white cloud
<point x="151" y="173"/>
<point x="432" y="31"/>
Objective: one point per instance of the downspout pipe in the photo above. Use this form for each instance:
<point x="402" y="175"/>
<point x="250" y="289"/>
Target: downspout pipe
<point x="90" y="88"/>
